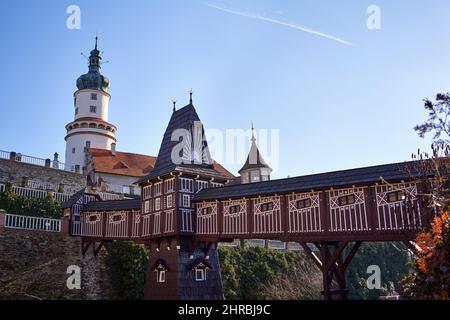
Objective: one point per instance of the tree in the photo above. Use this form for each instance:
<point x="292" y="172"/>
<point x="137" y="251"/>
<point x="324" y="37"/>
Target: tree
<point x="431" y="279"/>
<point x="394" y="262"/>
<point x="250" y="273"/>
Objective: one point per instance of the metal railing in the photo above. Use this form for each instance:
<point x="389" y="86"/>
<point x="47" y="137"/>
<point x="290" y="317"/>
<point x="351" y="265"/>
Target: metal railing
<point x="67" y="189"/>
<point x="35" y="193"/>
<point x="54" y="164"/>
<point x="32" y="184"/>
<point x="13" y="221"/>
<point x="116" y="188"/>
<point x="4" y="154"/>
<point x="110" y="196"/>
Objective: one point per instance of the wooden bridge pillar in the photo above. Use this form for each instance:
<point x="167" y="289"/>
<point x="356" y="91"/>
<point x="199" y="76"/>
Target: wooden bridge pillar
<point x="333" y="263"/>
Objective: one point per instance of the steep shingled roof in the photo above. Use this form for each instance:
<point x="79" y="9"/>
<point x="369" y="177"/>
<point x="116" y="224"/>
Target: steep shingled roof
<point x="185" y="118"/>
<point x="359" y="176"/>
<point x="254" y="159"/>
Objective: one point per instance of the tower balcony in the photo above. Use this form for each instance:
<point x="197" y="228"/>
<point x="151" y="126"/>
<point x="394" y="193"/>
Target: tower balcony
<point x="91" y="125"/>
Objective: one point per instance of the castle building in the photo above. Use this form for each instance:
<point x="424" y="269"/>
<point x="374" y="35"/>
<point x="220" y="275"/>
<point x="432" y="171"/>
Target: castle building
<point x="91" y="140"/>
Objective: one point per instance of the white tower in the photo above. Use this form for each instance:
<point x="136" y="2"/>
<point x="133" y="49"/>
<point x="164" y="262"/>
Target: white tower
<point x="90" y="128"/>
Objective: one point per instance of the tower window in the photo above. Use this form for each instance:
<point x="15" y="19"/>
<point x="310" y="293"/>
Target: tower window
<point x="93" y="96"/>
<point x="73" y="150"/>
<point x="157" y="204"/>
<point x="76" y="111"/>
<point x="93" y="109"/>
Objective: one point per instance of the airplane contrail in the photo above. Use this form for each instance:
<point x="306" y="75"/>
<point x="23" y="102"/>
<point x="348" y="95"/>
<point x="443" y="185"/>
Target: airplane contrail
<point x="282" y="23"/>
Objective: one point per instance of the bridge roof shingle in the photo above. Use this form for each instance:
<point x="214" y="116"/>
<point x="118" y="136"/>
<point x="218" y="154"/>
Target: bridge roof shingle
<point x="337" y="179"/>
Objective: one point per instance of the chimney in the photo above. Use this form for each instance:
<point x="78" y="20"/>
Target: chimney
<point x="113" y="149"/>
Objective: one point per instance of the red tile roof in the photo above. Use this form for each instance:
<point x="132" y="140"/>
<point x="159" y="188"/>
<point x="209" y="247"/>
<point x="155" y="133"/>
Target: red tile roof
<point x="131" y="164"/>
<point x="122" y="163"/>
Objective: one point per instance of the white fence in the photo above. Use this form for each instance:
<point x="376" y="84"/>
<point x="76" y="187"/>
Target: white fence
<point x="34" y="160"/>
<point x="115" y="188"/>
<point x="4" y="154"/>
<point x="32" y="184"/>
<point x="110" y="196"/>
<point x="32" y="223"/>
<point x="34" y="193"/>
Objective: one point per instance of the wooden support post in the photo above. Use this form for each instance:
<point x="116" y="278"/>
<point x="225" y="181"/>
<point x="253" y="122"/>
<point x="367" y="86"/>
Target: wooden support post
<point x="97" y="250"/>
<point x="85" y="246"/>
<point x="333" y="265"/>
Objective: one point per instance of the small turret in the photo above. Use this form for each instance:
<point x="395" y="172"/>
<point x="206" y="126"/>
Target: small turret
<point x="255" y="168"/>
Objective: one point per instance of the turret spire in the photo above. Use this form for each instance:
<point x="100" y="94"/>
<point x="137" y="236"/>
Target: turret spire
<point x="253" y="134"/>
<point x="190" y="97"/>
<point x="96" y="40"/>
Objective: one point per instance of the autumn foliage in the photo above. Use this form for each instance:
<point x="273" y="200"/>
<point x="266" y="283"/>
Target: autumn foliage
<point x="431" y="279"/>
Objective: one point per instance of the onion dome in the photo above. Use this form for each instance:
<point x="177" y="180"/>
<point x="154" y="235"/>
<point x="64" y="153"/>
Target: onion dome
<point x="94" y="79"/>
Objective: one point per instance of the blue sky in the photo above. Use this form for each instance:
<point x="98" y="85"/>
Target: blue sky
<point x="336" y="106"/>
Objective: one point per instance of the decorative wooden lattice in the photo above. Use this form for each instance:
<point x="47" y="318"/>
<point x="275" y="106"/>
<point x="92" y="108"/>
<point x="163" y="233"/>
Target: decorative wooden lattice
<point x="92" y="224"/>
<point x="135" y="228"/>
<point x="168" y="227"/>
<point x="117" y="226"/>
<point x="187" y="220"/>
<point x="207" y="221"/>
<point x="267" y="217"/>
<point x="351" y="216"/>
<point x="399" y="213"/>
<point x="235" y="220"/>
<point x="304" y="218"/>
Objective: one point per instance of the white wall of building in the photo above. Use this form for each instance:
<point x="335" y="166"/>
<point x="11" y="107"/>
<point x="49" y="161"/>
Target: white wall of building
<point x="83" y="103"/>
<point x="77" y="143"/>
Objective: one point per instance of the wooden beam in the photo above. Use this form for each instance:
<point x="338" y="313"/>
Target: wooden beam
<point x="312" y="255"/>
<point x="97" y="250"/>
<point x="336" y="253"/>
<point x="351" y="254"/>
<point x="411" y="247"/>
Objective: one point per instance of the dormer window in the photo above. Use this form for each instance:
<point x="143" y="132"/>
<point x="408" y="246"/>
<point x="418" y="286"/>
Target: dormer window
<point x="200" y="267"/>
<point x="161" y="276"/>
<point x="160" y="268"/>
<point x="200" y="274"/>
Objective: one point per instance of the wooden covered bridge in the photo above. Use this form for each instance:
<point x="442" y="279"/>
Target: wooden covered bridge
<point x="186" y="209"/>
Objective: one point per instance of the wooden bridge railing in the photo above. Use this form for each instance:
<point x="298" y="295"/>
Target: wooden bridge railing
<point x="373" y="213"/>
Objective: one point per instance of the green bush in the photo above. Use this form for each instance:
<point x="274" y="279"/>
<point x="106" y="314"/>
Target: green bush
<point x="127" y="264"/>
<point x="246" y="271"/>
<point x="26" y="206"/>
